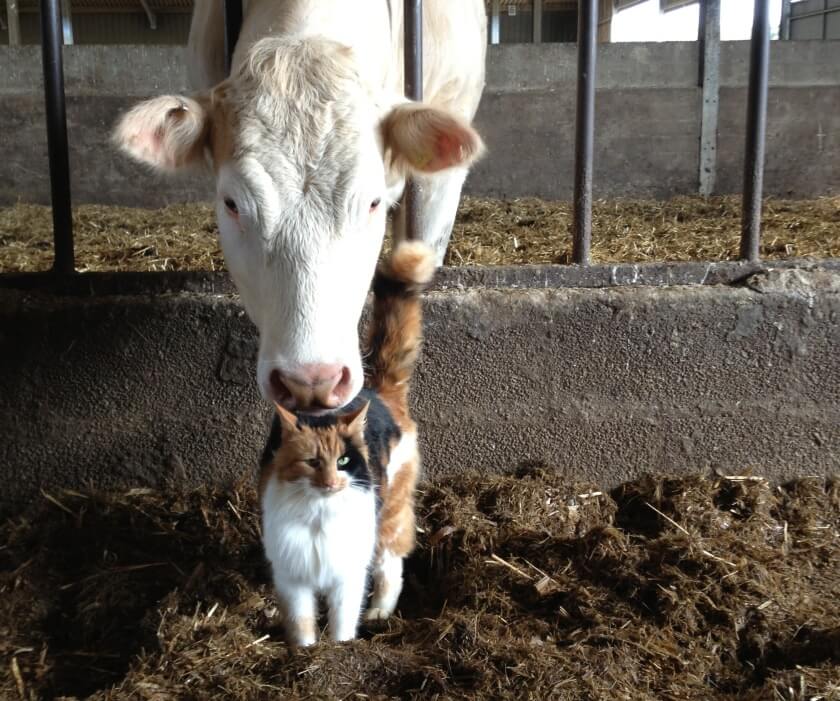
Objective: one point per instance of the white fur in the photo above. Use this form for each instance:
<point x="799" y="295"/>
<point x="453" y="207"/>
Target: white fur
<point x="319" y="544"/>
<point x="297" y="140"/>
<point x="404" y="450"/>
<point x="303" y="270"/>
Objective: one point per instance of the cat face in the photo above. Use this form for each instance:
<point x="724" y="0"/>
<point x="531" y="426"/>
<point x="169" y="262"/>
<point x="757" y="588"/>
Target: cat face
<point x="329" y="456"/>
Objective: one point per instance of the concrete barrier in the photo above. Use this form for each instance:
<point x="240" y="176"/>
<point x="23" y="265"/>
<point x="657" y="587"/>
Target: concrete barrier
<point x="118" y="381"/>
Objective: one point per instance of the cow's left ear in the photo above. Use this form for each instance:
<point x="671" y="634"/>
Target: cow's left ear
<point x="426" y="139"/>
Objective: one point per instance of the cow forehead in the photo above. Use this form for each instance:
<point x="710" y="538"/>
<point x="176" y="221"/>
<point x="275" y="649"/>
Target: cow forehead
<point x="316" y="166"/>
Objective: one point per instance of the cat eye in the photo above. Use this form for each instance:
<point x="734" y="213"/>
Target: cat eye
<point x="343" y="461"/>
<point x="313" y="462"/>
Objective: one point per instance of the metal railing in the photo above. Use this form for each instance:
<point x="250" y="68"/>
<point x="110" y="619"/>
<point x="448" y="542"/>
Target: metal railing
<point x="57" y="146"/>
<point x="756" y="122"/>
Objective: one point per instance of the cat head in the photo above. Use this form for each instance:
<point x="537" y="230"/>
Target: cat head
<point x="327" y="453"/>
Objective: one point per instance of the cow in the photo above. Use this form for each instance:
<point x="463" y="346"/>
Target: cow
<point x="311" y="141"/>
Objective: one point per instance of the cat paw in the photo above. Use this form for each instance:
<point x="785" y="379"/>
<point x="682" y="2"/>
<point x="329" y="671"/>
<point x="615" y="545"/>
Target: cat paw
<point x="376" y="614"/>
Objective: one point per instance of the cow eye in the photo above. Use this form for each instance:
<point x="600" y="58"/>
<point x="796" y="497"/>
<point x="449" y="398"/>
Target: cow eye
<point x="375" y="204"/>
<point x="231" y="207"/>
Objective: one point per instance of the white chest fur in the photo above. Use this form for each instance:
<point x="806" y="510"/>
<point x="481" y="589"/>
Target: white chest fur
<point x="317" y="541"/>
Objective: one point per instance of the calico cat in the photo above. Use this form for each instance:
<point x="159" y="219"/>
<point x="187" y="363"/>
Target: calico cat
<point x="337" y="491"/>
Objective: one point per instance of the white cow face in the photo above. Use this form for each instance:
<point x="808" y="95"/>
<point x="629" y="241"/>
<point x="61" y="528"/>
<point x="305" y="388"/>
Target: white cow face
<point x="307" y="162"/>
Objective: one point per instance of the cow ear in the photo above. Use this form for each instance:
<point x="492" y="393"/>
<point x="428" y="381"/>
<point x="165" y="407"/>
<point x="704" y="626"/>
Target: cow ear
<point x="167" y="133"/>
<point x="426" y="139"/>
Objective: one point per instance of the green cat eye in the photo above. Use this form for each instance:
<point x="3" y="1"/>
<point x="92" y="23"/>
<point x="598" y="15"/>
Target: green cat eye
<point x="343" y="460"/>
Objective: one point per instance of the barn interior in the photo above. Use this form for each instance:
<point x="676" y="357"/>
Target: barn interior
<point x="631" y="448"/>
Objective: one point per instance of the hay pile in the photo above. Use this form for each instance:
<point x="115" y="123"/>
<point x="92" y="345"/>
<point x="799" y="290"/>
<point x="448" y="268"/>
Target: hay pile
<point x="487" y="232"/>
<point x="523" y="587"/>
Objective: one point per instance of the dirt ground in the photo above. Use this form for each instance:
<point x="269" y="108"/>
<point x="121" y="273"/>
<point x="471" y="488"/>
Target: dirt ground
<point x="487" y="232"/>
<point x="523" y="587"/>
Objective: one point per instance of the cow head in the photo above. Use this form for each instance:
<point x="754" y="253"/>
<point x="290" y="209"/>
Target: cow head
<point x="307" y="161"/>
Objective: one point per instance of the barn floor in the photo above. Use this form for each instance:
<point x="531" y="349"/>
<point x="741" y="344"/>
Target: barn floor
<point x="522" y="587"/>
<point x="487" y="232"/>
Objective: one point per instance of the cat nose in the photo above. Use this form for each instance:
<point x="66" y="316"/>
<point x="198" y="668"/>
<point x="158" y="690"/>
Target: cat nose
<point x="331" y="484"/>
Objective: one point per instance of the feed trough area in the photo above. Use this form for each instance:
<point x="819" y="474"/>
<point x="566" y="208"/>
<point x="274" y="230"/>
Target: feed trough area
<point x="523" y="586"/>
<point x="487" y="232"/>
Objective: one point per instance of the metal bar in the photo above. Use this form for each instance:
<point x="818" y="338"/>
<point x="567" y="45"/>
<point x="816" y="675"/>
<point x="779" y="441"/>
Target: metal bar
<point x="51" y="35"/>
<point x="150" y="14"/>
<point x="67" y="22"/>
<point x="413" y="67"/>
<point x="14" y="22"/>
<point x="585" y="129"/>
<point x="825" y="20"/>
<point x="784" y="22"/>
<point x="756" y="132"/>
<point x="709" y="42"/>
<point x="815" y="13"/>
<point x="233" y="23"/>
<point x="495" y="11"/>
<point x="413" y="53"/>
<point x="538" y="17"/>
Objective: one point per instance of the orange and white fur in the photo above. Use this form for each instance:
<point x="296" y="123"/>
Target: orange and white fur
<point x="337" y="491"/>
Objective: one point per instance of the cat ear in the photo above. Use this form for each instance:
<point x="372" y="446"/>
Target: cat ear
<point x="287" y="419"/>
<point x="355" y="420"/>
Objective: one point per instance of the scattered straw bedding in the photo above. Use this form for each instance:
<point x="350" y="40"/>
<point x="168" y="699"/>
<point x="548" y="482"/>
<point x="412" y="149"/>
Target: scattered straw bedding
<point x="487" y="232"/>
<point x="523" y="587"/>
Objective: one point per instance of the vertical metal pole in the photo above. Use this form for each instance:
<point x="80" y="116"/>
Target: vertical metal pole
<point x="756" y="132"/>
<point x="538" y="16"/>
<point x="67" y="22"/>
<point x="784" y="24"/>
<point x="233" y="23"/>
<point x="413" y="67"/>
<point x="14" y="22"/>
<point x="709" y="45"/>
<point x="495" y="11"/>
<point x="825" y="20"/>
<point x="585" y="129"/>
<point x="62" y="212"/>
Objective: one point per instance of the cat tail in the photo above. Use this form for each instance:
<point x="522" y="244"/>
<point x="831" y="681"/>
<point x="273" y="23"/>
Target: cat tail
<point x="396" y="328"/>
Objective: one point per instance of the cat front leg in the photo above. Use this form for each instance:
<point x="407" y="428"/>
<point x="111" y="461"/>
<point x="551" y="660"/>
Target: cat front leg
<point x="300" y="609"/>
<point x="345" y="601"/>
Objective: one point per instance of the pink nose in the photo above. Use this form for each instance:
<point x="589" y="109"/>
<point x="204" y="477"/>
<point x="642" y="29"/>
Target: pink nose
<point x="313" y="386"/>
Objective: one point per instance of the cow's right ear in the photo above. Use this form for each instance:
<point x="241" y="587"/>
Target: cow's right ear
<point x="167" y="133"/>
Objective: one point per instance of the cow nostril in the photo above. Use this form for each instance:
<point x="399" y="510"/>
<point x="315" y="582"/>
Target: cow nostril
<point x="279" y="388"/>
<point x="344" y="380"/>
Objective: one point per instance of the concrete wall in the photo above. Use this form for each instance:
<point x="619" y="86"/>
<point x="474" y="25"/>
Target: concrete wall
<point x="135" y="385"/>
<point x="648" y="110"/>
<point x="647" y="130"/>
